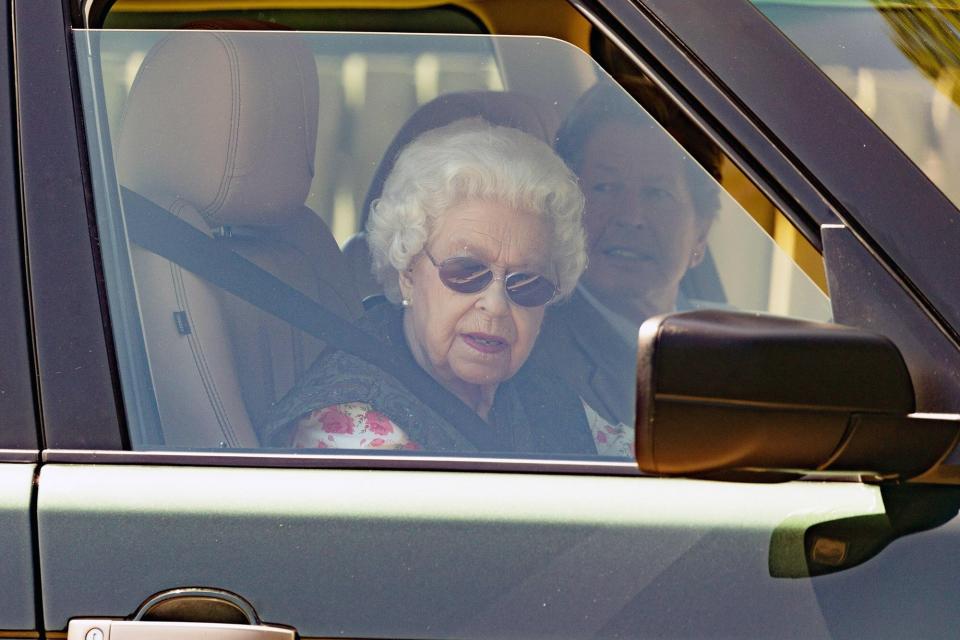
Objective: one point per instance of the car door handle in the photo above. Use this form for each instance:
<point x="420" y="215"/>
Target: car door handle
<point x="184" y="613"/>
<point x="104" y="629"/>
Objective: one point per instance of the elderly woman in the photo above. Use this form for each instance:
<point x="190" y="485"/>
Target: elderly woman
<point x="478" y="229"/>
<point x="649" y="208"/>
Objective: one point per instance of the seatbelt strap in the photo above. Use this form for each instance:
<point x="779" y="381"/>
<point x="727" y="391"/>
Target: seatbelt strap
<point x="158" y="231"/>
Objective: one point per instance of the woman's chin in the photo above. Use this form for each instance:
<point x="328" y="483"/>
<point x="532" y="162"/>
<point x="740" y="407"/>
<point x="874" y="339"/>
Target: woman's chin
<point x="480" y="374"/>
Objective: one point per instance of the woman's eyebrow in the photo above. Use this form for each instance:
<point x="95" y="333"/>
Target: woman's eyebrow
<point x="459" y="246"/>
<point x="474" y="241"/>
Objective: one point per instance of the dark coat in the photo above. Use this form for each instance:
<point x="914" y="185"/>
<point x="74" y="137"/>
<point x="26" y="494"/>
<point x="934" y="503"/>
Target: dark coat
<point x="533" y="412"/>
<point x="584" y="349"/>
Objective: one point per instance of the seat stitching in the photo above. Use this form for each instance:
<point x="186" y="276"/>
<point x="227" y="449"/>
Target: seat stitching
<point x="199" y="355"/>
<point x="301" y="77"/>
<point x="266" y="362"/>
<point x="203" y="368"/>
<point x="233" y="136"/>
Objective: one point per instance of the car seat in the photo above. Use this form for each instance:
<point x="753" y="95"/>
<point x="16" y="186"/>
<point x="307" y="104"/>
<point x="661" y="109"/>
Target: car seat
<point x="220" y="130"/>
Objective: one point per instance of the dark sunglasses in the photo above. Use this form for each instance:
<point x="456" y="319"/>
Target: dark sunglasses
<point x="469" y="275"/>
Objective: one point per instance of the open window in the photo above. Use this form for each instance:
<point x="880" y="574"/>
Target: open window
<point x="267" y="147"/>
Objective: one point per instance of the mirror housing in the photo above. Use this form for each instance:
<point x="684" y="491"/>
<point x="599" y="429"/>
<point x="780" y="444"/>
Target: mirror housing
<point x="720" y="392"/>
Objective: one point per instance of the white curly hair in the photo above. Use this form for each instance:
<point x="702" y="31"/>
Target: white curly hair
<point x="474" y="160"/>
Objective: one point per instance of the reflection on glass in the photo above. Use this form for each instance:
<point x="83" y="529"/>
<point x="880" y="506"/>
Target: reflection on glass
<point x="468" y="181"/>
<point x="899" y="61"/>
<point x="927" y="35"/>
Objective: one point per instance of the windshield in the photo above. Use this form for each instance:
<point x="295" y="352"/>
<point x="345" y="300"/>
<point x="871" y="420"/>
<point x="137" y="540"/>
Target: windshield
<point x="898" y="61"/>
<point x="318" y="241"/>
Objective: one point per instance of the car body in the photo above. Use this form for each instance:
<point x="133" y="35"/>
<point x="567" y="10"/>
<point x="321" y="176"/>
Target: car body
<point x="437" y="546"/>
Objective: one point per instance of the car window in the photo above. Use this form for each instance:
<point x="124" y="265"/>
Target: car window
<point x="434" y="243"/>
<point x="897" y="61"/>
<point x="552" y="18"/>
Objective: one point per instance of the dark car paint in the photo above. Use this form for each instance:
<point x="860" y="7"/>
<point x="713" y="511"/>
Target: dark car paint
<point x="17" y="416"/>
<point x="868" y="296"/>
<point x="79" y="391"/>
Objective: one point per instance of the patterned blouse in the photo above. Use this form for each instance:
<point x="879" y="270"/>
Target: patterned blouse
<point x="610" y="439"/>
<point x="356" y="425"/>
<point x="351" y="425"/>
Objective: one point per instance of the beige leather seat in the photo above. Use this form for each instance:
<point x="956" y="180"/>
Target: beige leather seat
<point x="503" y="108"/>
<point x="220" y="129"/>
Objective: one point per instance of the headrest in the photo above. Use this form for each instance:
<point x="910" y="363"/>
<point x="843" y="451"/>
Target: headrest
<point x="225" y="123"/>
<point x="501" y="108"/>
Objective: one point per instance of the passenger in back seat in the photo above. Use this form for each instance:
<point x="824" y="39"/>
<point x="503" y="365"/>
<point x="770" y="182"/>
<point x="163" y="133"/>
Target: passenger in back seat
<point x="649" y="209"/>
<point x="477" y="230"/>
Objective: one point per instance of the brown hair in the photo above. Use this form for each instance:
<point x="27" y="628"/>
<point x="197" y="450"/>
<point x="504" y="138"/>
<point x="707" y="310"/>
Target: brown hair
<point x="605" y="103"/>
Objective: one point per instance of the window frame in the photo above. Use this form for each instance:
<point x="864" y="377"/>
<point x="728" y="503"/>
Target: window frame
<point x="18" y="437"/>
<point x="82" y="408"/>
<point x="79" y="403"/>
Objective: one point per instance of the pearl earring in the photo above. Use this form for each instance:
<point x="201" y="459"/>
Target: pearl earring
<point x="404" y="303"/>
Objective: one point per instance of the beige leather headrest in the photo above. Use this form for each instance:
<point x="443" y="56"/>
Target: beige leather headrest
<point x="225" y="123"/>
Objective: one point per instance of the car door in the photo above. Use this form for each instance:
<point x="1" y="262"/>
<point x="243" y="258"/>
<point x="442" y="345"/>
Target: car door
<point x="405" y="545"/>
<point x="18" y="419"/>
<point x="18" y="422"/>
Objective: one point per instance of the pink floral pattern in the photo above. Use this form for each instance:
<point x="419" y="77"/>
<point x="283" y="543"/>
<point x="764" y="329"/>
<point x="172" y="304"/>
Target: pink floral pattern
<point x="352" y="425"/>
<point x="333" y="420"/>
<point x="379" y="423"/>
<point x="610" y="440"/>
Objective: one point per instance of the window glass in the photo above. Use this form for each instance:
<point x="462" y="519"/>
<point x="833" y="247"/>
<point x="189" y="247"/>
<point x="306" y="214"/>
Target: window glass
<point x="898" y="61"/>
<point x="740" y="188"/>
<point x="329" y="241"/>
<point x="552" y="18"/>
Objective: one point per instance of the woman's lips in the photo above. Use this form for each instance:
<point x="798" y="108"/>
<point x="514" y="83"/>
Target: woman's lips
<point x="484" y="342"/>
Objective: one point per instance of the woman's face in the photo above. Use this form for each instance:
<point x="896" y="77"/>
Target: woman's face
<point x="643" y="232"/>
<point x="472" y="342"/>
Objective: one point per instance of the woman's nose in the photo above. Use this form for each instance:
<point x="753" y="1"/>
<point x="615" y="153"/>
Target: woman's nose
<point x="494" y="299"/>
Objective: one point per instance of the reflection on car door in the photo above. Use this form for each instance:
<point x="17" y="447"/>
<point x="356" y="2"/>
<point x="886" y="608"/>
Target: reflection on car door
<point x="435" y="554"/>
<point x="16" y="561"/>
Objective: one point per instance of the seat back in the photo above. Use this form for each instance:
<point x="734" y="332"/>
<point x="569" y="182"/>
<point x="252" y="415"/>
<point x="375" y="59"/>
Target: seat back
<point x="220" y="129"/>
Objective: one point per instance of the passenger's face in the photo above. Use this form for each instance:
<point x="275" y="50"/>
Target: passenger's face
<point x="472" y="342"/>
<point x="642" y="230"/>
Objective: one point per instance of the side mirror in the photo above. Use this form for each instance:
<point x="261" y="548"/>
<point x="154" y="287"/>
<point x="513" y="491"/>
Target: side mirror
<point x="722" y="393"/>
